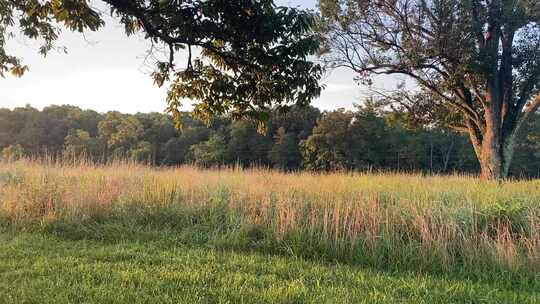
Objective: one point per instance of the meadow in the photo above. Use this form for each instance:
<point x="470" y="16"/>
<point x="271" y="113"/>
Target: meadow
<point x="127" y="233"/>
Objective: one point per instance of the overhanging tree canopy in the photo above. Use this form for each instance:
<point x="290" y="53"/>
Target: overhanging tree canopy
<point x="253" y="54"/>
<point x="477" y="62"/>
<point x="40" y="20"/>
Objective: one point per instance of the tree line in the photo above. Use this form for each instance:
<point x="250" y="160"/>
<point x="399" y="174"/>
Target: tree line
<point x="304" y="138"/>
<point x="475" y="65"/>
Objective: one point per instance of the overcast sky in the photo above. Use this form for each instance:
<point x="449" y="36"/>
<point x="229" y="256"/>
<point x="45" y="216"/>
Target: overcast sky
<point x="106" y="71"/>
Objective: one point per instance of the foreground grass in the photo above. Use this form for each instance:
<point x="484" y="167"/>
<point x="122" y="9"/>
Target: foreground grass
<point x="125" y="233"/>
<point x="37" y="268"/>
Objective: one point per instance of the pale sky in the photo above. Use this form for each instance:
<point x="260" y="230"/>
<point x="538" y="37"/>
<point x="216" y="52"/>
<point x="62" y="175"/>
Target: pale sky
<point x="106" y="70"/>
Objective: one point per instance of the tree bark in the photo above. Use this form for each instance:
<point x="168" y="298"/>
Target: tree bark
<point x="491" y="153"/>
<point x="496" y="148"/>
<point x="495" y="156"/>
<point x="491" y="162"/>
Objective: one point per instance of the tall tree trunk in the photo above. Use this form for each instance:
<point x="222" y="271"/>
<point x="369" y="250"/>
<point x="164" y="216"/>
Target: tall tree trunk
<point x="495" y="153"/>
<point x="495" y="158"/>
<point x="491" y="154"/>
<point x="491" y="163"/>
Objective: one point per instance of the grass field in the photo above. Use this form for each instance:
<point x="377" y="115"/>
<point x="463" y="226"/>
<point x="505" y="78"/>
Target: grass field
<point x="132" y="234"/>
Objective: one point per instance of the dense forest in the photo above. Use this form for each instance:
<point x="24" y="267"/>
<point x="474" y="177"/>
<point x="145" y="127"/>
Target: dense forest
<point x="302" y="138"/>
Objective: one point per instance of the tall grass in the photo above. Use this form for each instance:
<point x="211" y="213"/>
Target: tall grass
<point x="397" y="221"/>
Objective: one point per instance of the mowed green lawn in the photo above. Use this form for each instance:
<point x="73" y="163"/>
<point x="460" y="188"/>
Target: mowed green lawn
<point x="44" y="268"/>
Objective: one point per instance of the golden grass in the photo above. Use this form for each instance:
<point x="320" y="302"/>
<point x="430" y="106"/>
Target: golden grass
<point x="434" y="221"/>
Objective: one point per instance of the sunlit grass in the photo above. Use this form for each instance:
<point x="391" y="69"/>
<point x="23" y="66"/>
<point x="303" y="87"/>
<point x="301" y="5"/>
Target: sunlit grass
<point x="46" y="269"/>
<point x="444" y="225"/>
